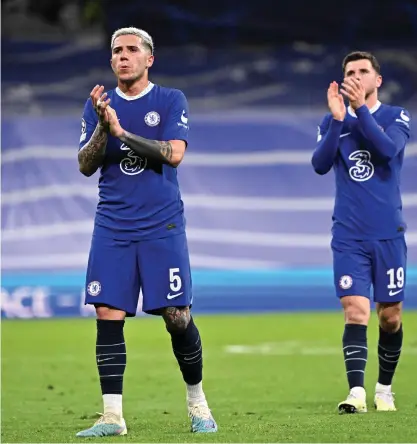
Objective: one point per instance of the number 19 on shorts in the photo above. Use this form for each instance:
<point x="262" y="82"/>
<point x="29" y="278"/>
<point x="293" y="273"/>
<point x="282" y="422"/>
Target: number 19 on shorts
<point x="396" y="281"/>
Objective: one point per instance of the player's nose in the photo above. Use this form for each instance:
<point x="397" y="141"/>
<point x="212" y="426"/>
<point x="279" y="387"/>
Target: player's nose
<point x="124" y="55"/>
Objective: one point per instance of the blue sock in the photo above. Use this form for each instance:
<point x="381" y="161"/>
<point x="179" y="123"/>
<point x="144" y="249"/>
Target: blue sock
<point x="389" y="351"/>
<point x="110" y="355"/>
<point x="355" y="350"/>
<point x="189" y="353"/>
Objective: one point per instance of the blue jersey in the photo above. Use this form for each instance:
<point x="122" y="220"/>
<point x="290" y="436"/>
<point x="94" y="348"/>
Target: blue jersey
<point x="366" y="152"/>
<point x="140" y="199"/>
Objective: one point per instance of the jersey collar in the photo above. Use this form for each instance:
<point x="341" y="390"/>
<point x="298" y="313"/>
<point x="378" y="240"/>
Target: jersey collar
<point x="371" y="110"/>
<point x="143" y="93"/>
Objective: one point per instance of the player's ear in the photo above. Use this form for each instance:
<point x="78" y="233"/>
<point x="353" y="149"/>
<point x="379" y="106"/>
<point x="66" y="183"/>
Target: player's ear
<point x="150" y="60"/>
<point x="379" y="81"/>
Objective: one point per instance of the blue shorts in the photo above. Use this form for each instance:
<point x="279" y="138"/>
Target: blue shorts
<point x="359" y="264"/>
<point x="119" y="269"/>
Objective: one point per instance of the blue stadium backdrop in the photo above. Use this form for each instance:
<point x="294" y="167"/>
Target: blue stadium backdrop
<point x="258" y="217"/>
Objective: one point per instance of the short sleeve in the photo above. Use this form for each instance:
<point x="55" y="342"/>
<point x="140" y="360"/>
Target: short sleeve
<point x="88" y="123"/>
<point x="176" y="125"/>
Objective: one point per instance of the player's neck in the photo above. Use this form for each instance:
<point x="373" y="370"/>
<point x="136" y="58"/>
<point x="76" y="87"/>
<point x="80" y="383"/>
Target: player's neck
<point x="371" y="101"/>
<point x="133" y="89"/>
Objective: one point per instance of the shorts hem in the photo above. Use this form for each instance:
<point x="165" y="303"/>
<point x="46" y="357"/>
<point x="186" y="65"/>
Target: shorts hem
<point x="155" y="311"/>
<point x="340" y="296"/>
<point x="128" y="313"/>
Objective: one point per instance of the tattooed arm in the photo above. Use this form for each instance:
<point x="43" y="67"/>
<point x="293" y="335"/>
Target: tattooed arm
<point x="170" y="152"/>
<point x="91" y="155"/>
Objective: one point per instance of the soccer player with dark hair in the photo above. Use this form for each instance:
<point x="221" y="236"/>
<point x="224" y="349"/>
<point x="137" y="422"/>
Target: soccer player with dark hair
<point x="139" y="239"/>
<point x="365" y="143"/>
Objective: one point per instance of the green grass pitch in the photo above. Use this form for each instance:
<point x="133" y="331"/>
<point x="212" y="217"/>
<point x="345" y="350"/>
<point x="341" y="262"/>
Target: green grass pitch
<point x="268" y="378"/>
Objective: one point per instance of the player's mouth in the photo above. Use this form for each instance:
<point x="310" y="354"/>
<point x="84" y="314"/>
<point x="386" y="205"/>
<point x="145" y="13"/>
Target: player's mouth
<point x="124" y="68"/>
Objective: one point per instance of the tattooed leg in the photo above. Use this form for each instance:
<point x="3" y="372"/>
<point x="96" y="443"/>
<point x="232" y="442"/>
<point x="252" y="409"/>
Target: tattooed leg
<point x="186" y="344"/>
<point x="176" y="319"/>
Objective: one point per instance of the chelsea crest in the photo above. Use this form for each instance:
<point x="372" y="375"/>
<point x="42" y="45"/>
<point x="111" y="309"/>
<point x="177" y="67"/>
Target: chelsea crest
<point x="152" y="118"/>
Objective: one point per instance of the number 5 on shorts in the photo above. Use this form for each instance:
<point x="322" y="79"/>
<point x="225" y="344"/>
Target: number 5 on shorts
<point x="175" y="283"/>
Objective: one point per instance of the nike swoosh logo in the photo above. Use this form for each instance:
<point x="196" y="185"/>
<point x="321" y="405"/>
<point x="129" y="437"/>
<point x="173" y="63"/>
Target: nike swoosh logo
<point x="105" y="359"/>
<point x="173" y="296"/>
<point x="393" y="293"/>
<point x="351" y="353"/>
<point x="343" y="135"/>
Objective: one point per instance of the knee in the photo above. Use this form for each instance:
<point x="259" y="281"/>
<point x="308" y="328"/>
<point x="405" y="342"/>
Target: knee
<point x="390" y="320"/>
<point x="176" y="319"/>
<point x="107" y="313"/>
<point x="357" y="310"/>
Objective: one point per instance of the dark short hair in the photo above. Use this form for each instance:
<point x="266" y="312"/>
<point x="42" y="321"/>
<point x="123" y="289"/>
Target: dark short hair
<point x="361" y="55"/>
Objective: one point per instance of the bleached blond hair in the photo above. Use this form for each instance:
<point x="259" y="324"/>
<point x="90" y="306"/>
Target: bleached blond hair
<point x="146" y="38"/>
